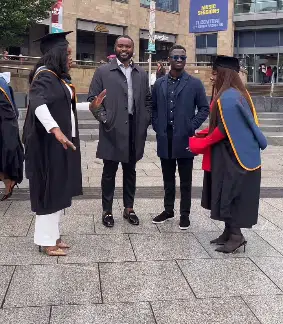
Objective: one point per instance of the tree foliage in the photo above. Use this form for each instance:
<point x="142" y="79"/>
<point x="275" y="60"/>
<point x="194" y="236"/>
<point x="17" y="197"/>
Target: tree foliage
<point x="16" y="16"/>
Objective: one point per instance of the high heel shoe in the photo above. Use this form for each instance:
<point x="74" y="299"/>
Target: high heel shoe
<point x="52" y="251"/>
<point x="223" y="238"/>
<point x="10" y="193"/>
<point x="233" y="244"/>
<point x="62" y="245"/>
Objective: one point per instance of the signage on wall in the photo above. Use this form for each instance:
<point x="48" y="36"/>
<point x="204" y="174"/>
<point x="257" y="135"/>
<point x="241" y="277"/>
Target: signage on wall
<point x="208" y="16"/>
<point x="99" y="28"/>
<point x="57" y="17"/>
<point x="167" y="38"/>
<point x="162" y="38"/>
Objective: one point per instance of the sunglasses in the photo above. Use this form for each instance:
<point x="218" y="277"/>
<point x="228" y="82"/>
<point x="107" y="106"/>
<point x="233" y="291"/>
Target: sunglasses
<point x="178" y="57"/>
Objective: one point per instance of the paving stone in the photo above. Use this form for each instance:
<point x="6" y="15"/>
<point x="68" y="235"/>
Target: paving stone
<point x="19" y="208"/>
<point x="29" y="315"/>
<point x="199" y="223"/>
<point x="256" y="246"/>
<point x="274" y="238"/>
<point x="98" y="248"/>
<point x="272" y="182"/>
<point x="278" y="203"/>
<point x="145" y="208"/>
<point x="138" y="313"/>
<point x="268" y="309"/>
<point x="147" y="166"/>
<point x="142" y="281"/>
<point x="77" y="224"/>
<point x="4" y="206"/>
<point x="271" y="213"/>
<point x="272" y="267"/>
<point x="15" y="225"/>
<point x="21" y="251"/>
<point x="206" y="311"/>
<point x="6" y="273"/>
<point x="218" y="278"/>
<point x="53" y="285"/>
<point x="89" y="206"/>
<point x="72" y="224"/>
<point x="167" y="246"/>
<point x="148" y="182"/>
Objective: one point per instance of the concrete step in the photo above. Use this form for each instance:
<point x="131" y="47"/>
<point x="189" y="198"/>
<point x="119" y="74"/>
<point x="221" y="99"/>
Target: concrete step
<point x="273" y="138"/>
<point x="86" y="115"/>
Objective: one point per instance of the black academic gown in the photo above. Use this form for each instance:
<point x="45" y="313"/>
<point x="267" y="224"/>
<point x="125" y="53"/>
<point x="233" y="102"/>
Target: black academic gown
<point x="230" y="192"/>
<point x="53" y="172"/>
<point x="11" y="149"/>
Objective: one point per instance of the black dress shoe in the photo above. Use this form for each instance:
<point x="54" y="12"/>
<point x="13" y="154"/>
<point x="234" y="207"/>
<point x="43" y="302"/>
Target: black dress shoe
<point x="131" y="217"/>
<point x="107" y="219"/>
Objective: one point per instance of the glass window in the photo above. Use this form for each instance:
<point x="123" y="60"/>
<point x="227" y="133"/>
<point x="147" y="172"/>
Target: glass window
<point x="267" y="38"/>
<point x="246" y="39"/>
<point x="211" y="40"/>
<point x="206" y="40"/>
<point x="281" y="37"/>
<point x="236" y="37"/>
<point x="201" y="41"/>
<point x="244" y="6"/>
<point x="266" y="5"/>
<point x="164" y="5"/>
<point x="247" y="6"/>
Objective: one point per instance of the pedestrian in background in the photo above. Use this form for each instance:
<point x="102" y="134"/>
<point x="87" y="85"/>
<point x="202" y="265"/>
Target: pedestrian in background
<point x="161" y="71"/>
<point x="11" y="149"/>
<point x="232" y="163"/>
<point x="175" y="98"/>
<point x="124" y="116"/>
<point x="51" y="139"/>
<point x="262" y="73"/>
<point x="269" y="74"/>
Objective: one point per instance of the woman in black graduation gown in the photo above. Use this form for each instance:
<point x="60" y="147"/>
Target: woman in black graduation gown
<point x="51" y="138"/>
<point x="11" y="149"/>
<point x="231" y="147"/>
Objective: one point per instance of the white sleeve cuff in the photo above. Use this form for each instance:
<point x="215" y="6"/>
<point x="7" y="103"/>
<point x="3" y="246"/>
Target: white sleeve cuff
<point x="43" y="114"/>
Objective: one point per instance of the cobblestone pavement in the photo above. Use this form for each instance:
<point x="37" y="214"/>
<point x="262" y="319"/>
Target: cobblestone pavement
<point x="147" y="274"/>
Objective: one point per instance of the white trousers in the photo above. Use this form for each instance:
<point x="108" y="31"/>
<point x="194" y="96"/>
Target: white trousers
<point x="47" y="229"/>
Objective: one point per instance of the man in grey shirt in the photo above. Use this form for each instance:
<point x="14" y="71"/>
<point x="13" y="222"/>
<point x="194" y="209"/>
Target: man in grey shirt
<point x="120" y="100"/>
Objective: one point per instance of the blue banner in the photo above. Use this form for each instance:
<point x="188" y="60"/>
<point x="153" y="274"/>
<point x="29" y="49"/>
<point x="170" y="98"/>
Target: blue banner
<point x="208" y="16"/>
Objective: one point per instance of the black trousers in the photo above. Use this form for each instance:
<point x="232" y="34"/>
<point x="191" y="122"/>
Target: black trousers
<point x="129" y="176"/>
<point x="185" y="168"/>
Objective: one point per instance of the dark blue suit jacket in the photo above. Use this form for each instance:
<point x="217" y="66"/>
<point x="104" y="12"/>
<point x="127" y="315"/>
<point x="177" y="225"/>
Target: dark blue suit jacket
<point x="189" y="96"/>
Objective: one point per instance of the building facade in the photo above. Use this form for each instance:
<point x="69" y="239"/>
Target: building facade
<point x="97" y="23"/>
<point x="254" y="31"/>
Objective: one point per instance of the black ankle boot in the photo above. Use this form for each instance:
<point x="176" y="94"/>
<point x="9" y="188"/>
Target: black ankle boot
<point x="233" y="244"/>
<point x="223" y="238"/>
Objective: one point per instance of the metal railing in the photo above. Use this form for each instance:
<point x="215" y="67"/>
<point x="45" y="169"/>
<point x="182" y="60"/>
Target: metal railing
<point x="17" y="62"/>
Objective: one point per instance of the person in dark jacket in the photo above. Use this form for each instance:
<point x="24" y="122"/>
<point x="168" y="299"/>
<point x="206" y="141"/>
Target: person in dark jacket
<point x="51" y="139"/>
<point x="124" y="116"/>
<point x="175" y="98"/>
<point x="11" y="149"/>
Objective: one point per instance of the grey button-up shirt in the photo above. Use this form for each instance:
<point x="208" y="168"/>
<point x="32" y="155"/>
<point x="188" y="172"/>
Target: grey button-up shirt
<point x="128" y="74"/>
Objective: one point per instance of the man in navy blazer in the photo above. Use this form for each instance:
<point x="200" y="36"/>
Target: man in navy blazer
<point x="176" y="98"/>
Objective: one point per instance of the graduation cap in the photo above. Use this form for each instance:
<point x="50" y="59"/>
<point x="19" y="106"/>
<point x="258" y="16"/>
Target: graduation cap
<point x="52" y="40"/>
<point x="227" y="62"/>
